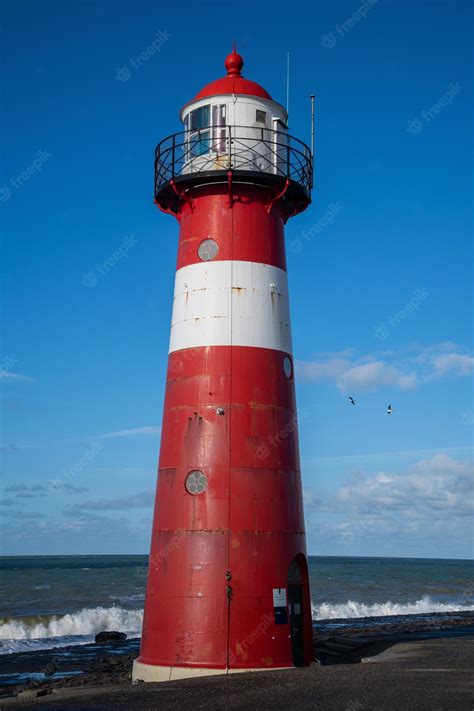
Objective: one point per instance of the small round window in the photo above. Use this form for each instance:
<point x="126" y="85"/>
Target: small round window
<point x="208" y="250"/>
<point x="287" y="367"/>
<point x="196" y="482"/>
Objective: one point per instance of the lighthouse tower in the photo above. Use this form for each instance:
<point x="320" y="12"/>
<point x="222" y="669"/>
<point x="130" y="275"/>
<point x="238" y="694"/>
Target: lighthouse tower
<point x="228" y="583"/>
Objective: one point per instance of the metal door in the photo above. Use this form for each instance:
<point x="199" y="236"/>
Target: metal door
<point x="295" y="605"/>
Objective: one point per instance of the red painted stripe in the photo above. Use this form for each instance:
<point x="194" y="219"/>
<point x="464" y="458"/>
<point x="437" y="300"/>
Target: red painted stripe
<point x="263" y="406"/>
<point x="246" y="232"/>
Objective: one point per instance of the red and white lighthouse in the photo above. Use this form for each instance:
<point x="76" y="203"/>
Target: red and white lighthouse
<point x="228" y="583"/>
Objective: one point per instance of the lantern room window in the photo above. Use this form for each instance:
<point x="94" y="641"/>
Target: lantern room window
<point x="199" y="139"/>
<point x="261" y="116"/>
<point x="218" y="130"/>
<point x="206" y="130"/>
<point x="199" y="118"/>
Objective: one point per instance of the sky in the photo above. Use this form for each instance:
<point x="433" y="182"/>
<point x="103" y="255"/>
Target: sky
<point x="380" y="265"/>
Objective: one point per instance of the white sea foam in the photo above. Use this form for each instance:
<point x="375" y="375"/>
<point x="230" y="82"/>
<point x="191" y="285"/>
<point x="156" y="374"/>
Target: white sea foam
<point x="351" y="609"/>
<point x="42" y="632"/>
<point x="128" y="598"/>
<point x="9" y="646"/>
<point x="87" y="621"/>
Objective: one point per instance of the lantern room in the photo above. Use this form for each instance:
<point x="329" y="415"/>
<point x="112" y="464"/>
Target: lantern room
<point x="233" y="132"/>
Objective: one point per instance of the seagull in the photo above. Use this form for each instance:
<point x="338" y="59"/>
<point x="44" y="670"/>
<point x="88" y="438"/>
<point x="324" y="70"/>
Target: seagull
<point x="351" y="400"/>
<point x="389" y="410"/>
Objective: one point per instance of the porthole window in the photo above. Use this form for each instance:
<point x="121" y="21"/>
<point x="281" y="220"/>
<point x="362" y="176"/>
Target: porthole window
<point x="196" y="482"/>
<point x="208" y="250"/>
<point x="287" y="367"/>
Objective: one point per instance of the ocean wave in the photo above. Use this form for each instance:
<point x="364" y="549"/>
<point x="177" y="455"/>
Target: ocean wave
<point x="45" y="631"/>
<point x="138" y="597"/>
<point x="11" y="646"/>
<point x="87" y="621"/>
<point x="351" y="609"/>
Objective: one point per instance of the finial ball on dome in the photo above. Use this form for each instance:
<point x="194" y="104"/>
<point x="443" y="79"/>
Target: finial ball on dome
<point x="234" y="63"/>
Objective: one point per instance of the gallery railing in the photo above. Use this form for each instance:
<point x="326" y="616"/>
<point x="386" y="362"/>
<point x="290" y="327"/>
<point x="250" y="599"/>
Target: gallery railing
<point x="241" y="149"/>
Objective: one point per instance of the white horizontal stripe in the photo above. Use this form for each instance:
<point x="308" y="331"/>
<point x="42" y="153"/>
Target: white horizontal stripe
<point x="230" y="303"/>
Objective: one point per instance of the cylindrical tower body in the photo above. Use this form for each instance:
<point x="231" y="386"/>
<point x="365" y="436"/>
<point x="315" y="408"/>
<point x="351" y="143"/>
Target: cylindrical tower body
<point x="228" y="581"/>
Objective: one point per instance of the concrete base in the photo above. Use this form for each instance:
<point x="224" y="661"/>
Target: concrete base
<point x="152" y="673"/>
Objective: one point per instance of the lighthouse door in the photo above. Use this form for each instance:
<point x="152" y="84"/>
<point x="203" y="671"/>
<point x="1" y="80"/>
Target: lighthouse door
<point x="295" y="603"/>
<point x="295" y="608"/>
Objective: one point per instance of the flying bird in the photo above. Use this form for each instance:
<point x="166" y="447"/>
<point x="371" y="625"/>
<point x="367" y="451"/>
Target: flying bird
<point x="389" y="410"/>
<point x="351" y="400"/>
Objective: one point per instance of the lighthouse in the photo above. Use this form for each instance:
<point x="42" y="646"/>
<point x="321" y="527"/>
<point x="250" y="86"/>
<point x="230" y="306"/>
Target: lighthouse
<point x="228" y="587"/>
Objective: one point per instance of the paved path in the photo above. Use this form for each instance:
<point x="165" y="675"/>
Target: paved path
<point x="432" y="675"/>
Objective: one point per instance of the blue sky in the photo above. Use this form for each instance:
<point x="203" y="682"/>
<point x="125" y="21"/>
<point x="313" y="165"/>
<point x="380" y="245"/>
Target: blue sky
<point x="381" y="294"/>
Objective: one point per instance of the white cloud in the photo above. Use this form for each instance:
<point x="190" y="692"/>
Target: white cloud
<point x="404" y="369"/>
<point x="439" y="484"/>
<point x="8" y="448"/>
<point x="452" y="364"/>
<point x="361" y="374"/>
<point x="144" y="499"/>
<point x="310" y="499"/>
<point x="433" y="489"/>
<point x="26" y="515"/>
<point x="79" y="532"/>
<point x="375" y="374"/>
<point x="425" y="353"/>
<point x="430" y="505"/>
<point x="147" y="431"/>
<point x="330" y="369"/>
<point x="35" y="490"/>
<point x="150" y="430"/>
<point x="14" y="377"/>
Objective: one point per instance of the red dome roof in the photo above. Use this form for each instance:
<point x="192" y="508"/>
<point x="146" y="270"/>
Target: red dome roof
<point x="234" y="82"/>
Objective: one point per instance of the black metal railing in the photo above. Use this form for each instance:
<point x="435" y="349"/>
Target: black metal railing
<point x="238" y="148"/>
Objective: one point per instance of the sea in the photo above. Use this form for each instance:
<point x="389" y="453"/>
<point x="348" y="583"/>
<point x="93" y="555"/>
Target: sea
<point x="57" y="601"/>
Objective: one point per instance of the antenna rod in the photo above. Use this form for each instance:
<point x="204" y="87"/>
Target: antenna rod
<point x="287" y="85"/>
<point x="312" y="125"/>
